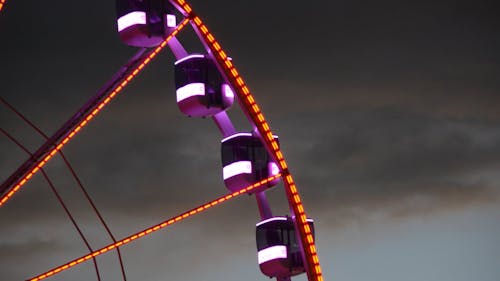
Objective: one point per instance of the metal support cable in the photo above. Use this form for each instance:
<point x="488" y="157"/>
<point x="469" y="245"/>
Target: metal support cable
<point x="59" y="198"/>
<point x="75" y="176"/>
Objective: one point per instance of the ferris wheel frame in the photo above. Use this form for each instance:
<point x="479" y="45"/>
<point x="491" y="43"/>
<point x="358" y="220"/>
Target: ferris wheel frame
<point x="247" y="103"/>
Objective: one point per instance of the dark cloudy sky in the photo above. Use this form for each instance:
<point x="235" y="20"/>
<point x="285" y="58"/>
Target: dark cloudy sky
<point x="388" y="113"/>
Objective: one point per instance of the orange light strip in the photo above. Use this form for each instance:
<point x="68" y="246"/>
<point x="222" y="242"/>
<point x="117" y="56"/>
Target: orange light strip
<point x="2" y="2"/>
<point x="152" y="229"/>
<point x="314" y="268"/>
<point x="58" y="146"/>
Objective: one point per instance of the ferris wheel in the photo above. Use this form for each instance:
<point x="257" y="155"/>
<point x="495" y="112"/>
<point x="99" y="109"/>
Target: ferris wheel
<point x="207" y="84"/>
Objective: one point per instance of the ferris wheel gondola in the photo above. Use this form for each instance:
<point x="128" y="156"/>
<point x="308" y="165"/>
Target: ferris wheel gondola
<point x="144" y="23"/>
<point x="246" y="161"/>
<point x="279" y="254"/>
<point x="200" y="88"/>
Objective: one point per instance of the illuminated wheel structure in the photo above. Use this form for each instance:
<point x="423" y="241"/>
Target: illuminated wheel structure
<point x="207" y="84"/>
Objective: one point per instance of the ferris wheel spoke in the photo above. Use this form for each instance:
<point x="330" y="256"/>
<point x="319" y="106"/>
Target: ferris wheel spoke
<point x="152" y="229"/>
<point x="26" y="171"/>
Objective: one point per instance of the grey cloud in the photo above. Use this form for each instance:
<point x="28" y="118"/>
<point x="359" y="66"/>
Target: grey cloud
<point x="372" y="160"/>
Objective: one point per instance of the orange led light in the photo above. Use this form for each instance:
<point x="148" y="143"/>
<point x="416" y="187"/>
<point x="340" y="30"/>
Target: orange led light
<point x="309" y="239"/>
<point x="187" y="8"/>
<point x="91" y="115"/>
<point x="2" y="2"/>
<point x="217" y="46"/>
<point x="152" y="229"/>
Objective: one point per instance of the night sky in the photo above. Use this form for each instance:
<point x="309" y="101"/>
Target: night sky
<point x="388" y="114"/>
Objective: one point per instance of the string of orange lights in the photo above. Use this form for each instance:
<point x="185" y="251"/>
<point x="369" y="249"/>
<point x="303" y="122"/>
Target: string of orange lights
<point x="312" y="261"/>
<point x="2" y="3"/>
<point x="88" y="117"/>
<point x="152" y="229"/>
